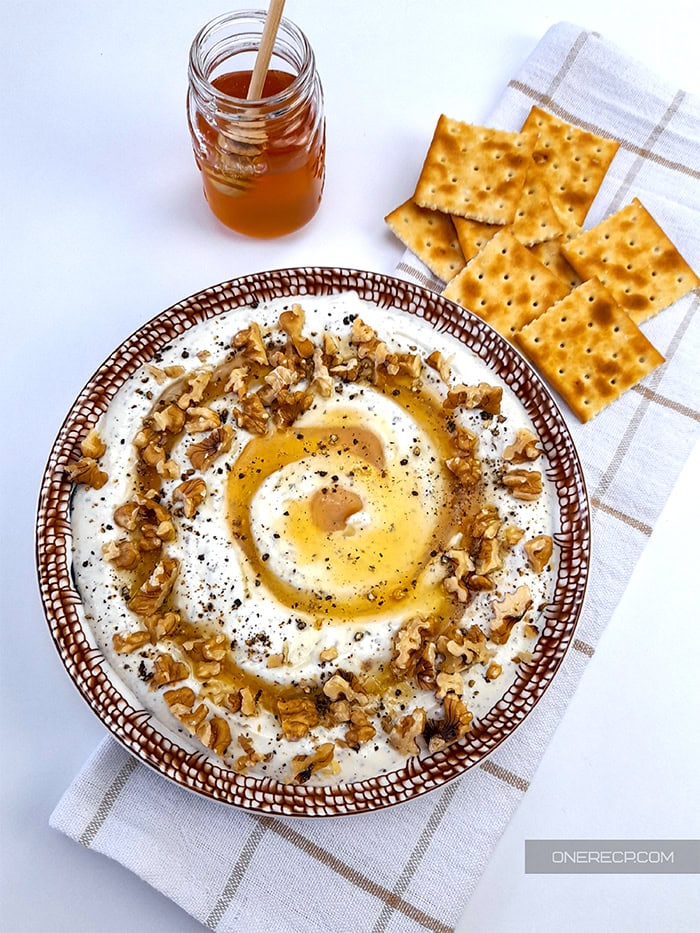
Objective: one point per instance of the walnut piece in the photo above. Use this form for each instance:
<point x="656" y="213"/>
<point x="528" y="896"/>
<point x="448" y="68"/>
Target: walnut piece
<point x="303" y="766"/>
<point x="199" y="420"/>
<point x="125" y="644"/>
<point x="170" y="419"/>
<point x="523" y="449"/>
<point x="361" y="729"/>
<point x="250" y="757"/>
<point x="338" y="687"/>
<point x="408" y="642"/>
<point x="437" y="362"/>
<point x="278" y="379"/>
<point x="297" y="716"/>
<point x="466" y="469"/>
<point x="86" y="472"/>
<point x="203" y="453"/>
<point x="167" y="670"/>
<point x="196" y="384"/>
<point x="188" y="496"/>
<point x="405" y="732"/>
<point x="456" y="723"/>
<point x="539" y="551"/>
<point x="92" y="445"/>
<point x="151" y="595"/>
<point x="252" y="416"/>
<point x="456" y="582"/>
<point x="123" y="554"/>
<point x="251" y="343"/>
<point x="507" y="612"/>
<point x="484" y="396"/>
<point x="523" y="484"/>
<point x="292" y="322"/>
<point x="215" y="734"/>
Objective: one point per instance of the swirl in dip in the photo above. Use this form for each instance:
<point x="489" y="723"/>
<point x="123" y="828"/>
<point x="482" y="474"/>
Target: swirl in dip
<point x="314" y="538"/>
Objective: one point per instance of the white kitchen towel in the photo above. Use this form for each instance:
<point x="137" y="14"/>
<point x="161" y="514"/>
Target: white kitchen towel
<point x="414" y="866"/>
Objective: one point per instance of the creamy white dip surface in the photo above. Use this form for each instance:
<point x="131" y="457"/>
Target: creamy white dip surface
<point x="355" y="566"/>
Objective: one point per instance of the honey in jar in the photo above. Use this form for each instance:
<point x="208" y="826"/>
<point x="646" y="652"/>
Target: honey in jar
<point x="262" y="161"/>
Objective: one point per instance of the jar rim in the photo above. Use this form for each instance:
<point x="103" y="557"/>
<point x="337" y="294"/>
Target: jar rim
<point x="202" y="83"/>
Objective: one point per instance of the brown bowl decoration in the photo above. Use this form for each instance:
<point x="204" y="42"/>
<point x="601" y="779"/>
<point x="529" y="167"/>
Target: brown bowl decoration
<point x="165" y="751"/>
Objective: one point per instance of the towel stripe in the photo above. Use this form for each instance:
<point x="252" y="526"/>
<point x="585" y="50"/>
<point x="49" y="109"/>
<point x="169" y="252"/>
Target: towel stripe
<point x="107" y="802"/>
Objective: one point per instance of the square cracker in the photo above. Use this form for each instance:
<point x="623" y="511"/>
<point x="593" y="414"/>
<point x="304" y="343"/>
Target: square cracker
<point x="571" y="161"/>
<point x="473" y="235"/>
<point x="474" y="171"/>
<point x="635" y="260"/>
<point x="535" y="220"/>
<point x="505" y="285"/>
<point x="588" y="349"/>
<point x="430" y="235"/>
<point x="550" y="255"/>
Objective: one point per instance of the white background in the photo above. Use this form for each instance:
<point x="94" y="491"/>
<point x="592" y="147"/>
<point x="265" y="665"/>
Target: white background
<point x="102" y="225"/>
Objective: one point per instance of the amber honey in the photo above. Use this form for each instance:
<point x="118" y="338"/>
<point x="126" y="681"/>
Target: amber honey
<point x="262" y="161"/>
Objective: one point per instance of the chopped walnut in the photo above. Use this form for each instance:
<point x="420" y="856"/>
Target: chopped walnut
<point x="297" y="716"/>
<point x="251" y="343"/>
<point x="168" y="469"/>
<point x="194" y="719"/>
<point x="188" y="496"/>
<point x="486" y="523"/>
<point x="303" y="766"/>
<point x="201" y="419"/>
<point x="523" y="449"/>
<point x="152" y="594"/>
<point x="466" y="469"/>
<point x="167" y="670"/>
<point x="449" y="683"/>
<point x="180" y="701"/>
<point x="127" y="515"/>
<point x="87" y="472"/>
<point x="203" y="453"/>
<point x="507" y="612"/>
<point x="512" y="534"/>
<point x="215" y="734"/>
<point x="170" y="419"/>
<point x="530" y="631"/>
<point x="463" y="566"/>
<point x="252" y="416"/>
<point x="238" y="381"/>
<point x="162" y="624"/>
<point x="249" y="703"/>
<point x="321" y="381"/>
<point x="457" y="722"/>
<point x="460" y="649"/>
<point x="523" y="484"/>
<point x="361" y="729"/>
<point x="486" y="397"/>
<point x="425" y="670"/>
<point x="250" y="757"/>
<point x="437" y="362"/>
<point x="489" y="556"/>
<point x="539" y="552"/>
<point x="92" y="445"/>
<point x="125" y="644"/>
<point x="123" y="554"/>
<point x="493" y="671"/>
<point x="338" y="687"/>
<point x="405" y="732"/>
<point x="361" y="332"/>
<point x="196" y="384"/>
<point x="328" y="654"/>
<point x="292" y="322"/>
<point x="408" y="641"/>
<point x="340" y="711"/>
<point x="278" y="379"/>
<point x="290" y="405"/>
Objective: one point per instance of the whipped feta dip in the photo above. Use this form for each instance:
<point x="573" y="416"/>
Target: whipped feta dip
<point x="315" y="546"/>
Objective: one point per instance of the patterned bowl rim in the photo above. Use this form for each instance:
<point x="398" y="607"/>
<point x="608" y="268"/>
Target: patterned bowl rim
<point x="136" y="729"/>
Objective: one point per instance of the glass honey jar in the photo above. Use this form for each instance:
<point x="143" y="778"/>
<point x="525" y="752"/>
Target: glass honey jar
<point x="262" y="161"/>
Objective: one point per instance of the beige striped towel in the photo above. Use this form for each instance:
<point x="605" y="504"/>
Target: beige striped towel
<point x="413" y="867"/>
